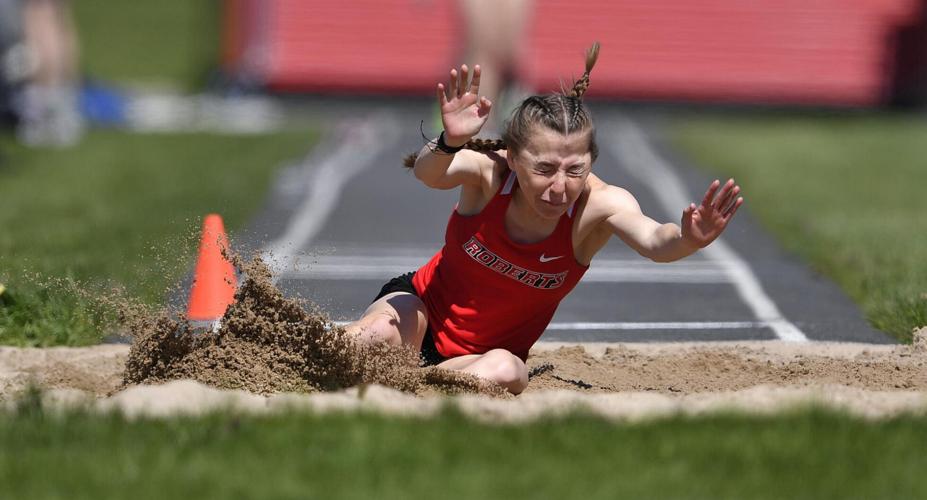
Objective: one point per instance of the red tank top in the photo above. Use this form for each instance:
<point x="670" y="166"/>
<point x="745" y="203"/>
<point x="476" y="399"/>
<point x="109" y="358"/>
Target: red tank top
<point x="484" y="291"/>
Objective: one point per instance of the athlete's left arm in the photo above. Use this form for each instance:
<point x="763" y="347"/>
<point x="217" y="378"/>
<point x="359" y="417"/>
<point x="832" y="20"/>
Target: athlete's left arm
<point x="700" y="224"/>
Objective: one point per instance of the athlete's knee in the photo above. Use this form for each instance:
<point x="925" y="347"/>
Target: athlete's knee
<point x="508" y="370"/>
<point x="407" y="308"/>
<point x="394" y="319"/>
<point x="374" y="328"/>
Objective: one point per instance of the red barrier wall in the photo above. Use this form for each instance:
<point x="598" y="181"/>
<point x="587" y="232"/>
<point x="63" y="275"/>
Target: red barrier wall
<point x="836" y="52"/>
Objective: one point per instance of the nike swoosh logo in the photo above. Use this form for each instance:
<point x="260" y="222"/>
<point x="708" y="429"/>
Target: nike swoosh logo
<point x="548" y="259"/>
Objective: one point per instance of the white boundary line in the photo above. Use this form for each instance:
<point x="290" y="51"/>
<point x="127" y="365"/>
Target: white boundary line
<point x="369" y="267"/>
<point x="629" y="144"/>
<point x="627" y="325"/>
<point x="660" y="325"/>
<point x="353" y="152"/>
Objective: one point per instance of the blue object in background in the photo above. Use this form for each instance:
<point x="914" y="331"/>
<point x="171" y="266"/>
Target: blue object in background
<point x="102" y="105"/>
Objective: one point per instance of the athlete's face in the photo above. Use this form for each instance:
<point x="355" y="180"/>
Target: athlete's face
<point x="552" y="170"/>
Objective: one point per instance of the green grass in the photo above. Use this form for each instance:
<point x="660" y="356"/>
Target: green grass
<point x="172" y="42"/>
<point x="807" y="454"/>
<point x="120" y="209"/>
<point x="847" y="193"/>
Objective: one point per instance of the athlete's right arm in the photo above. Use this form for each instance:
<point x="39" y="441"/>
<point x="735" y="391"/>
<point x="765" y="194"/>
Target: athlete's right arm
<point x="446" y="171"/>
<point x="463" y="113"/>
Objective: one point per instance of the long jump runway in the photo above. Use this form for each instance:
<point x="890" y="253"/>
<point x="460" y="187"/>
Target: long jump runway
<point x="347" y="218"/>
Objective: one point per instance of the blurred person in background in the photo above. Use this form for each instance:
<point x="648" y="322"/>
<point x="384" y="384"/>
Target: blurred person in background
<point x="47" y="106"/>
<point x="495" y="36"/>
<point x="11" y="50"/>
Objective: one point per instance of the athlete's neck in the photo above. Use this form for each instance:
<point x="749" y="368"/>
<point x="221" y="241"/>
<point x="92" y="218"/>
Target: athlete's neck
<point x="523" y="224"/>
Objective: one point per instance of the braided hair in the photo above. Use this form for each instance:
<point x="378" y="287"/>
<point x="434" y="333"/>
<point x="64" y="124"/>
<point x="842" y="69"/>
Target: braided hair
<point x="563" y="112"/>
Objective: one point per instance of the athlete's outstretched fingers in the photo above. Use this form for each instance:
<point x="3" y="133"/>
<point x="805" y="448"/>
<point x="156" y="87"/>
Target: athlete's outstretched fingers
<point x="442" y="97"/>
<point x="485" y="106"/>
<point x="463" y="85"/>
<point x="453" y="88"/>
<point x="725" y="191"/>
<point x="725" y="202"/>
<point x="475" y="84"/>
<point x="735" y="193"/>
<point x="730" y="213"/>
<point x="710" y="194"/>
<point x="687" y="214"/>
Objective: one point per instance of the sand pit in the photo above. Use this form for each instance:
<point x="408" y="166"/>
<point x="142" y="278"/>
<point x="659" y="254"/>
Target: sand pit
<point x="274" y="352"/>
<point x="621" y="381"/>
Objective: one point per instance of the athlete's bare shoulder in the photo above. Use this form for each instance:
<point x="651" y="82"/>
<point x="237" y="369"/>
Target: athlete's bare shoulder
<point x="606" y="200"/>
<point x="603" y="201"/>
<point x="492" y="168"/>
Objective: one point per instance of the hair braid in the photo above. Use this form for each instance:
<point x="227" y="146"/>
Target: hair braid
<point x="542" y="103"/>
<point x="575" y="117"/>
<point x="478" y="145"/>
<point x="582" y="85"/>
<point x="484" y="145"/>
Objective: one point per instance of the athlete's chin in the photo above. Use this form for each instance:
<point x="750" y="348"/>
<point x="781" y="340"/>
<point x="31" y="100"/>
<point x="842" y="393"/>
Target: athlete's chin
<point x="550" y="210"/>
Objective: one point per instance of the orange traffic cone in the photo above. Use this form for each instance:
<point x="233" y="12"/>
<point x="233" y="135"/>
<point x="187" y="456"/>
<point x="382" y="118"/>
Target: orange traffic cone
<point x="213" y="287"/>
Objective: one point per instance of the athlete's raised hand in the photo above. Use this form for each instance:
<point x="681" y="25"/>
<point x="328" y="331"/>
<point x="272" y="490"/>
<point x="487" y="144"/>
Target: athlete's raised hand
<point x="463" y="111"/>
<point x="702" y="224"/>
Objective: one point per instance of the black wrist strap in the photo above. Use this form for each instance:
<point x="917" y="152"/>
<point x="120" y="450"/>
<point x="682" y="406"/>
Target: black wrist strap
<point x="444" y="148"/>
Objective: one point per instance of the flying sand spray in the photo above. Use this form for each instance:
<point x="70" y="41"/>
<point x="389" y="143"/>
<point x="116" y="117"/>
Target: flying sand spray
<point x="254" y="338"/>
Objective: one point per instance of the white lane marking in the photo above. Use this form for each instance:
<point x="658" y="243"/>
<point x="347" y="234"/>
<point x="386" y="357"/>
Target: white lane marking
<point x="630" y="145"/>
<point x="361" y="267"/>
<point x="355" y="147"/>
<point x="664" y="325"/>
<point x="628" y="325"/>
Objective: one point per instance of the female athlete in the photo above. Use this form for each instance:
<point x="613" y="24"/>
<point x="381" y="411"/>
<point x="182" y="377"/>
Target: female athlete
<point x="530" y="218"/>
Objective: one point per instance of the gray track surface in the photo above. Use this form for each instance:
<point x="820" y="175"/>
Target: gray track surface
<point x="385" y="222"/>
